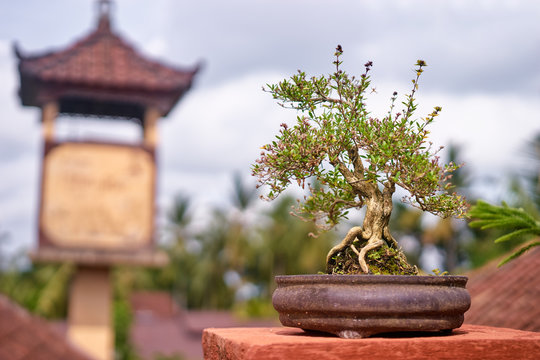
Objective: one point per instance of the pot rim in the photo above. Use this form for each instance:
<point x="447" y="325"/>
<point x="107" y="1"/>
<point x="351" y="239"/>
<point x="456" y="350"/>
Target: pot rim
<point x="455" y="280"/>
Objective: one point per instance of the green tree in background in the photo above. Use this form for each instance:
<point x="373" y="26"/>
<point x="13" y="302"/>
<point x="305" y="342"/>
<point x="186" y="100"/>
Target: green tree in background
<point x="42" y="289"/>
<point x="280" y="241"/>
<point x="241" y="248"/>
<point x="450" y="234"/>
<point x="123" y="279"/>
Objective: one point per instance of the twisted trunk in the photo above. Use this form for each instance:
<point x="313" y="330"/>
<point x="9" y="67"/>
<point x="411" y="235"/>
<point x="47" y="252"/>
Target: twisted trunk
<point x="374" y="230"/>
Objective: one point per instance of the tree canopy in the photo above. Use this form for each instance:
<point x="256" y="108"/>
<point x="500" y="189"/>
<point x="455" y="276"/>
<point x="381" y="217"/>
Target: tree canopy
<point x="340" y="152"/>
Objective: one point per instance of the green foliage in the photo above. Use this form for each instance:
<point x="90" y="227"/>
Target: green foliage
<point x="122" y="320"/>
<point x="257" y="307"/>
<point x="252" y="245"/>
<point x="438" y="272"/>
<point x="42" y="289"/>
<point x="337" y="143"/>
<point x="282" y="249"/>
<point x="531" y="176"/>
<point x="516" y="223"/>
<point x="242" y="196"/>
<point x="52" y="301"/>
<point x="178" y="215"/>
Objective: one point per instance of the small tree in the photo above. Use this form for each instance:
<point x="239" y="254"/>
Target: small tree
<point x="348" y="159"/>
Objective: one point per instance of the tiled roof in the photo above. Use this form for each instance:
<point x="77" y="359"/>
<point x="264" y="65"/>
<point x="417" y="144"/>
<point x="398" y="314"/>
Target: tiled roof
<point x="26" y="337"/>
<point x="103" y="59"/>
<point x="101" y="74"/>
<point x="507" y="296"/>
<point x="157" y="303"/>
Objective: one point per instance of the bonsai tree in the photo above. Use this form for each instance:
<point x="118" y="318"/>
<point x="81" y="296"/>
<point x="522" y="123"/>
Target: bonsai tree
<point x="345" y="159"/>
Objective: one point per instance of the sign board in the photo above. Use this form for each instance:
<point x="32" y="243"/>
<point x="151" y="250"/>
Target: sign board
<point x="97" y="196"/>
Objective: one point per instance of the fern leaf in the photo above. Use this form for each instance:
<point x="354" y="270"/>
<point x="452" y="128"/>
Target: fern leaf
<point x="517" y="234"/>
<point x="503" y="224"/>
<point x="516" y="221"/>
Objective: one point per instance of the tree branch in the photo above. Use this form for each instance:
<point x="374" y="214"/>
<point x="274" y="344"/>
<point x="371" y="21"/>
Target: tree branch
<point x="358" y="184"/>
<point x="350" y="204"/>
<point x="357" y="163"/>
<point x="323" y="98"/>
<point x="389" y="189"/>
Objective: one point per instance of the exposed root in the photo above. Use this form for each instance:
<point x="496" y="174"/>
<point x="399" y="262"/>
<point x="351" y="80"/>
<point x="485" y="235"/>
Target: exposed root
<point x="358" y="253"/>
<point x="363" y="252"/>
<point x="390" y="239"/>
<point x="383" y="260"/>
<point x="355" y="250"/>
<point x="352" y="235"/>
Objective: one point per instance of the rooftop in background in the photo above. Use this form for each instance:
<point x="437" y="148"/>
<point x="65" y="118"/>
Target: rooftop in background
<point x="26" y="337"/>
<point x="507" y="296"/>
<point x="101" y="74"/>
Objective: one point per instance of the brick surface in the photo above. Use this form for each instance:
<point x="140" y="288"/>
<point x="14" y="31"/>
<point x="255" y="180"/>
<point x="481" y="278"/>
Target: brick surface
<point x="468" y="342"/>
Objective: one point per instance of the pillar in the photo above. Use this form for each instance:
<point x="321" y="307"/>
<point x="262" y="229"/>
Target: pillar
<point x="150" y="135"/>
<point x="49" y="112"/>
<point x="90" y="312"/>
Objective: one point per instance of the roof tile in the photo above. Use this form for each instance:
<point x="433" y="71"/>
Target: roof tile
<point x="104" y="59"/>
<point x="25" y="337"/>
<point x="101" y="68"/>
<point x="505" y="296"/>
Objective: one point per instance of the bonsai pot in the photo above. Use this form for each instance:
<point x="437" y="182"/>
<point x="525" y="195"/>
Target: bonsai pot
<point x="357" y="306"/>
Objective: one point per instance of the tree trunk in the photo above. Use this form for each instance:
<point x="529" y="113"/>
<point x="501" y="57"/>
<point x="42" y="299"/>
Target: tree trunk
<point x="374" y="229"/>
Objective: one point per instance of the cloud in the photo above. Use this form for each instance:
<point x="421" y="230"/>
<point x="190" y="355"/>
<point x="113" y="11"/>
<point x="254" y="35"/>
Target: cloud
<point x="473" y="45"/>
<point x="221" y="127"/>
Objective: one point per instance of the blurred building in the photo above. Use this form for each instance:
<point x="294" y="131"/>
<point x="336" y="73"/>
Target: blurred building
<point x="25" y="337"/>
<point x="97" y="198"/>
<point x="160" y="327"/>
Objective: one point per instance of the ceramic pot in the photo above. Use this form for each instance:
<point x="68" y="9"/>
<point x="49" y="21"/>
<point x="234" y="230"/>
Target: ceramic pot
<point x="357" y="306"/>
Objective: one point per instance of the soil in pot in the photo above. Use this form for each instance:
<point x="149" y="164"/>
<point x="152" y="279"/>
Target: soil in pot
<point x="384" y="260"/>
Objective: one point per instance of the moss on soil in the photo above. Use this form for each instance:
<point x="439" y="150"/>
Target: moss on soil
<point x="383" y="260"/>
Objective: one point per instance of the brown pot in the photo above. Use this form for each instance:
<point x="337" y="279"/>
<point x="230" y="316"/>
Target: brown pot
<point x="357" y="306"/>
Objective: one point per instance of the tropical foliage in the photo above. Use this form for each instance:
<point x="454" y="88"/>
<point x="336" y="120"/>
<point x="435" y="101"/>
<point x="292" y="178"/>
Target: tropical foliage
<point x="515" y="222"/>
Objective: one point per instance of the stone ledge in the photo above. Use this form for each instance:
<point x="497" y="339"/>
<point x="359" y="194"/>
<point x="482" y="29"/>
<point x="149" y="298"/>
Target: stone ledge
<point x="101" y="257"/>
<point x="467" y="342"/>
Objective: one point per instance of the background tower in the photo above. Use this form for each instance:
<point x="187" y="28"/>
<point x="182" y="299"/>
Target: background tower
<point x="97" y="202"/>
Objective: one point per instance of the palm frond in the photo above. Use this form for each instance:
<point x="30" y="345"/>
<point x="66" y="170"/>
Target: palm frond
<point x="515" y="221"/>
<point x="517" y="234"/>
<point x="519" y="252"/>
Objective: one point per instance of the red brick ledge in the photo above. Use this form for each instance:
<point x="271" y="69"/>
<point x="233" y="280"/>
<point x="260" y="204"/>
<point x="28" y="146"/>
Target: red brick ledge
<point x="467" y="342"/>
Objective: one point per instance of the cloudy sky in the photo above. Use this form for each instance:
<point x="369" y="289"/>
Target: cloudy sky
<point x="483" y="59"/>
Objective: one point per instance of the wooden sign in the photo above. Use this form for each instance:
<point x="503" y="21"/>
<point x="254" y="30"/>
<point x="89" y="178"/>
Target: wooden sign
<point x="97" y="196"/>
